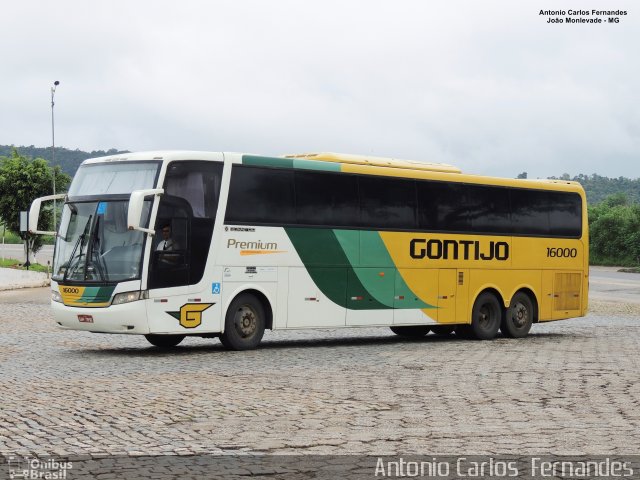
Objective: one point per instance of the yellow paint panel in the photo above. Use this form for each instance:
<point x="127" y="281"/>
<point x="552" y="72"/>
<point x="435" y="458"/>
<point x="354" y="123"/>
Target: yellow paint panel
<point x="566" y="289"/>
<point x="72" y="295"/>
<point x="424" y="283"/>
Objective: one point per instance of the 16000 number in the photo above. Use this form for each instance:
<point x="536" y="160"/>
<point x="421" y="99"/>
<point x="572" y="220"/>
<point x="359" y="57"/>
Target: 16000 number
<point x="562" y="252"/>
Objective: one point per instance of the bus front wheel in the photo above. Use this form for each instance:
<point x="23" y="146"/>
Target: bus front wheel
<point x="486" y="317"/>
<point x="244" y="323"/>
<point x="519" y="317"/>
<point x="411" y="332"/>
<point x="164" y="341"/>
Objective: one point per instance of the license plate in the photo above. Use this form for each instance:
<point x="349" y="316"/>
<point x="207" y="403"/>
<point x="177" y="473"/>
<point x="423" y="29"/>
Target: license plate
<point x="85" y="318"/>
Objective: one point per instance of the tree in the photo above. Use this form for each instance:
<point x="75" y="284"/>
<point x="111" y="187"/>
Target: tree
<point x="614" y="231"/>
<point x="22" y="180"/>
<point x="522" y="175"/>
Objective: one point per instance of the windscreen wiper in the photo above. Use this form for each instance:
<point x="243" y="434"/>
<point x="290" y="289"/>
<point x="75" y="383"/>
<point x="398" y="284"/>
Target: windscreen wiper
<point x="96" y="259"/>
<point x="79" y="242"/>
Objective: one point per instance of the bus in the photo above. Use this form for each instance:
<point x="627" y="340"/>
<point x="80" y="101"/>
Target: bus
<point x="318" y="240"/>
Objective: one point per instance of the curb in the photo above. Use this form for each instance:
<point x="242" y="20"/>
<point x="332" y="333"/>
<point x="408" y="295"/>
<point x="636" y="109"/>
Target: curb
<point x="11" y="279"/>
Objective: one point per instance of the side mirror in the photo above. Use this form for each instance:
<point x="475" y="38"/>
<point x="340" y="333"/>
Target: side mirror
<point x="34" y="213"/>
<point x="135" y="208"/>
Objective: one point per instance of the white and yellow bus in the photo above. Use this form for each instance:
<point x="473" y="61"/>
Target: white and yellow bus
<point x="312" y="241"/>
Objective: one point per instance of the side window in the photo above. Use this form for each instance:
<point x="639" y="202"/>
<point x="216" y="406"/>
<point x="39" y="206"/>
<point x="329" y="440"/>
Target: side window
<point x="529" y="212"/>
<point x="387" y="203"/>
<point x="565" y="216"/>
<point x="489" y="209"/>
<point x="184" y="224"/>
<point x="443" y="207"/>
<point x="261" y="195"/>
<point x="326" y="199"/>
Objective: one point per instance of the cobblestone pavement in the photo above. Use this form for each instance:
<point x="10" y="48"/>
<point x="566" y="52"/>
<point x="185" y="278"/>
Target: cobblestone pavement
<point x="570" y="388"/>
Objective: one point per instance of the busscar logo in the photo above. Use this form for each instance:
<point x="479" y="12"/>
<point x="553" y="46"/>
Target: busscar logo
<point x="435" y="249"/>
<point x="190" y="314"/>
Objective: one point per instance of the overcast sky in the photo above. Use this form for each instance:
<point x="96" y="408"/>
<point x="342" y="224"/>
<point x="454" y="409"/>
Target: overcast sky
<point x="488" y="86"/>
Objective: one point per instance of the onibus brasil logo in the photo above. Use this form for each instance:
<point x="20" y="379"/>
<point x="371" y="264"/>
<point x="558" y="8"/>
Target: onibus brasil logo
<point x="190" y="314"/>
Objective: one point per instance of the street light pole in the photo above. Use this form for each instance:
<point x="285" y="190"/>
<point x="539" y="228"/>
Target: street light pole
<point x="53" y="151"/>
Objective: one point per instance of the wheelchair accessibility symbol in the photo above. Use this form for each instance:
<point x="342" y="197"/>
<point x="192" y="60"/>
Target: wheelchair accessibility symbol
<point x="215" y="288"/>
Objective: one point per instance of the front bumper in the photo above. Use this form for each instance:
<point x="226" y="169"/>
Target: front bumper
<point x="126" y="318"/>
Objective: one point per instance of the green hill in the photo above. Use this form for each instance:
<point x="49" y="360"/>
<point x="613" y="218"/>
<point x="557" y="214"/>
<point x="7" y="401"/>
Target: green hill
<point x="69" y="160"/>
<point x="597" y="187"/>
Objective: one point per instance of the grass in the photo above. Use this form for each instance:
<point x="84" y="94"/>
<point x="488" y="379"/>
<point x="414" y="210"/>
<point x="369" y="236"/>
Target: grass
<point x="613" y="261"/>
<point x="11" y="238"/>
<point x="16" y="264"/>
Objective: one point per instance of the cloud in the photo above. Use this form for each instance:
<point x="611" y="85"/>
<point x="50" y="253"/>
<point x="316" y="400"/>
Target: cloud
<point x="488" y="86"/>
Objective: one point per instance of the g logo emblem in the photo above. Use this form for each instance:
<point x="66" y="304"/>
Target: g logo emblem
<point x="190" y="314"/>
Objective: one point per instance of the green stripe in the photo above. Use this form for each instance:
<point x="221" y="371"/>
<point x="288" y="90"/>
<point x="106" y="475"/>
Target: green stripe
<point x="296" y="163"/>
<point x="349" y="263"/>
<point x="96" y="294"/>
<point x="373" y="252"/>
<point x="322" y="255"/>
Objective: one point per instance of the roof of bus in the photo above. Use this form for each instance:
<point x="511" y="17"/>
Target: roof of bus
<point x="156" y="155"/>
<point x="352" y="163"/>
<point x="376" y="161"/>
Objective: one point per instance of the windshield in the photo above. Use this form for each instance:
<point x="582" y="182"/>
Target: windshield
<point x="113" y="178"/>
<point x="94" y="244"/>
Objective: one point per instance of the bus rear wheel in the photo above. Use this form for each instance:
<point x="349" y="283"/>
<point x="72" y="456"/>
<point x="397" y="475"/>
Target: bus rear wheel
<point x="519" y="317"/>
<point x="411" y="332"/>
<point x="164" y="341"/>
<point x="244" y="323"/>
<point x="486" y="317"/>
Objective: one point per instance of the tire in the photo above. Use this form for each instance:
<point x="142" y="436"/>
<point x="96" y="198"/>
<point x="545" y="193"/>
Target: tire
<point x="164" y="341"/>
<point x="486" y="317"/>
<point x="417" y="331"/>
<point x="443" y="330"/>
<point x="244" y="323"/>
<point x="519" y="317"/>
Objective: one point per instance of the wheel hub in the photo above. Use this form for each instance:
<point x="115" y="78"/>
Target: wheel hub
<point x="520" y="316"/>
<point x="245" y="321"/>
<point x="485" y="316"/>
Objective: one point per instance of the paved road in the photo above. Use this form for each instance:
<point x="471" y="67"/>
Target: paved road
<point x="607" y="283"/>
<point x="17" y="252"/>
<point x="571" y="387"/>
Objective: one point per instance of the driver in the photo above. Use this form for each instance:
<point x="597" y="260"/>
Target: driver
<point x="167" y="244"/>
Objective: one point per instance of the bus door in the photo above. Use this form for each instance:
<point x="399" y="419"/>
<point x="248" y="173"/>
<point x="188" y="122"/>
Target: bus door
<point x="186" y="215"/>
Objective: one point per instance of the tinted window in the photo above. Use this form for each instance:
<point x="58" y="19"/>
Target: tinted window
<point x="274" y="196"/>
<point x="387" y="203"/>
<point x="326" y="199"/>
<point x="529" y="212"/>
<point x="489" y="210"/>
<point x="442" y="207"/>
<point x="556" y="214"/>
<point x="261" y="195"/>
<point x="565" y="214"/>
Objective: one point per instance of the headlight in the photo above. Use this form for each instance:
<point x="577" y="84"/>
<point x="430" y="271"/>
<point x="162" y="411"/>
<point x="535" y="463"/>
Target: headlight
<point x="55" y="296"/>
<point x="127" y="297"/>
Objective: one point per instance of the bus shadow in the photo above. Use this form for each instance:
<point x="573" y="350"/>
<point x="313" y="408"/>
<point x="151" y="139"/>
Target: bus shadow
<point x="271" y="344"/>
